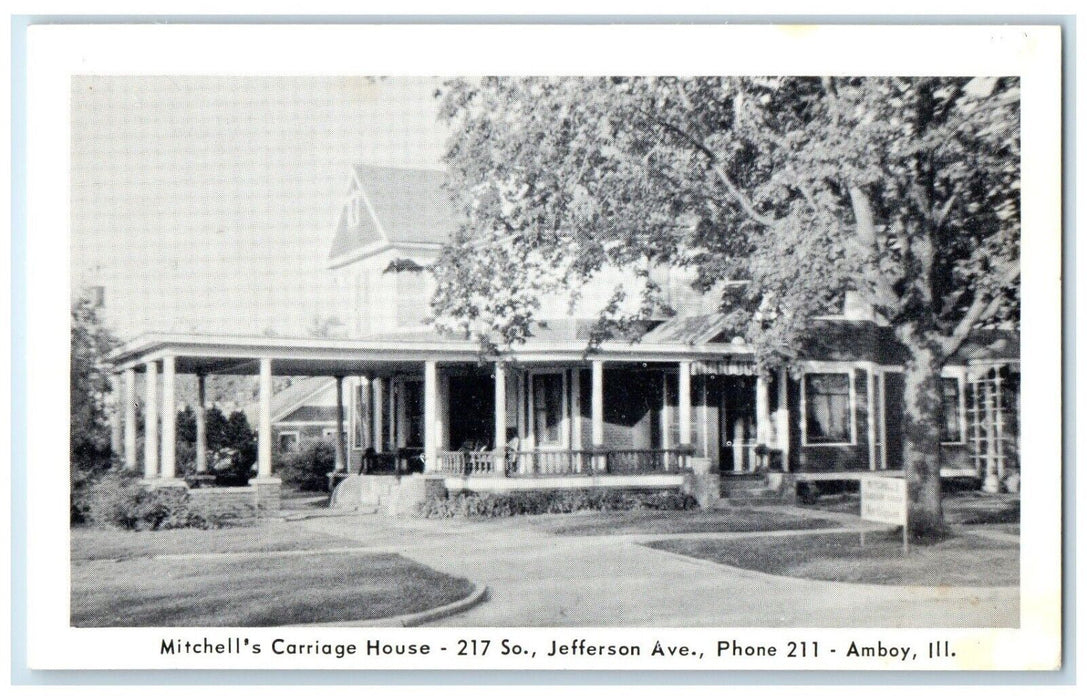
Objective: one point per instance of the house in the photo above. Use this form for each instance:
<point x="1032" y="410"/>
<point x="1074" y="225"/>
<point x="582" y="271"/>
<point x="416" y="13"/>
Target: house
<point x="304" y="411"/>
<point x="684" y="399"/>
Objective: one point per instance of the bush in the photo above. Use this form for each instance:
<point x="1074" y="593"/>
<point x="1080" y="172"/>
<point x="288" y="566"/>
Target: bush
<point x="307" y="468"/>
<point x="118" y="499"/>
<point x="498" y="505"/>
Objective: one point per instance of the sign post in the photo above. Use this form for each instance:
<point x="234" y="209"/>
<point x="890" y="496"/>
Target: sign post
<point x="885" y="499"/>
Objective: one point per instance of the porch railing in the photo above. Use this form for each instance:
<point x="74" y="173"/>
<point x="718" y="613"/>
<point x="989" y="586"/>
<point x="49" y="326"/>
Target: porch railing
<point x="645" y="461"/>
<point x="561" y="462"/>
<point x="550" y="463"/>
<point x="470" y="463"/>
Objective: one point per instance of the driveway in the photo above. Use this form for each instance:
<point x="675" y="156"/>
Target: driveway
<point x="542" y="580"/>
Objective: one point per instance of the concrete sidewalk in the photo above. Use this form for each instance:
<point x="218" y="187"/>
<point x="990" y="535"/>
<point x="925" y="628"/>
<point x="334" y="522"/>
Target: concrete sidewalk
<point x="543" y="580"/>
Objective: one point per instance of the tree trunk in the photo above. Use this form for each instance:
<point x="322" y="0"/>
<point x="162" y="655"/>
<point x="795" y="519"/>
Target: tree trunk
<point x="921" y="436"/>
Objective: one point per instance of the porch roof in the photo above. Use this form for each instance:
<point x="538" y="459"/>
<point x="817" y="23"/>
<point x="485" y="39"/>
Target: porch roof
<point x="233" y="354"/>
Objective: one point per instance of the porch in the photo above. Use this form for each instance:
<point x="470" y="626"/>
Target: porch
<point x="440" y="408"/>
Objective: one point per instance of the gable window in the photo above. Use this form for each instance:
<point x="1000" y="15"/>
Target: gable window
<point x="827" y="409"/>
<point x="951" y="427"/>
<point x="547" y="408"/>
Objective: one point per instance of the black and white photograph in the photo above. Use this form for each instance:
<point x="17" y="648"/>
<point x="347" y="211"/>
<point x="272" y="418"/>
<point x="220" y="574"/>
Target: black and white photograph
<point x="571" y="351"/>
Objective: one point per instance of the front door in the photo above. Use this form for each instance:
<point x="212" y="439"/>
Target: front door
<point x="737" y="424"/>
<point x="471" y="412"/>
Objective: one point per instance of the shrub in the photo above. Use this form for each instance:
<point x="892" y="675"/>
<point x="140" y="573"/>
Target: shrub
<point x="307" y="468"/>
<point x="119" y="499"/>
<point x="468" y="504"/>
<point x="113" y="500"/>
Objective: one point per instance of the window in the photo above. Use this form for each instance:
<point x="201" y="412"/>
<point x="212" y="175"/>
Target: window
<point x="354" y="210"/>
<point x="828" y="413"/>
<point x="330" y="435"/>
<point x="288" y="441"/>
<point x="411" y="393"/>
<point x="951" y="427"/>
<point x="412" y="299"/>
<point x="547" y="408"/>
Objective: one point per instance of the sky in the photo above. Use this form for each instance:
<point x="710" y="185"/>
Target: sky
<point x="206" y="204"/>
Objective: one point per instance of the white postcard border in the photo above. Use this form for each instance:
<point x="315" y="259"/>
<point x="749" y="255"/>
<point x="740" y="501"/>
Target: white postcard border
<point x="55" y="53"/>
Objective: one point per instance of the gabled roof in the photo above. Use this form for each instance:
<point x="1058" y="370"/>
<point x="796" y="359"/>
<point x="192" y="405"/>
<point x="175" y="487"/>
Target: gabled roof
<point x="690" y="330"/>
<point x="401" y="206"/>
<point x="290" y="399"/>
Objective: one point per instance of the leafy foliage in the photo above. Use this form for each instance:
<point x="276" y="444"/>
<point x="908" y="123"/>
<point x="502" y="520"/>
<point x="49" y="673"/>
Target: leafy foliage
<point x="90" y="386"/>
<point x="903" y="189"/>
<point x="780" y="193"/>
<point x="119" y="499"/>
<point x="501" y="505"/>
<point x="307" y="467"/>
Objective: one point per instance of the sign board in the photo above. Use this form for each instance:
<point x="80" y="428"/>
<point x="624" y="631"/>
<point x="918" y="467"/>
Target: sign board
<point x="883" y="499"/>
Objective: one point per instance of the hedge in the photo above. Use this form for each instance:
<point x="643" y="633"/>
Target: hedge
<point x="469" y="504"/>
<point x="118" y="499"/>
<point x="307" y="467"/>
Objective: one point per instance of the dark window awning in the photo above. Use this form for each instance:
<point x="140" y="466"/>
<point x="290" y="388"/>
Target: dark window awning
<point x="732" y="367"/>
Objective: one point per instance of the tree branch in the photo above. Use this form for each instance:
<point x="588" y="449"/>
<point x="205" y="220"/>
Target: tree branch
<point x="715" y="166"/>
<point x="983" y="308"/>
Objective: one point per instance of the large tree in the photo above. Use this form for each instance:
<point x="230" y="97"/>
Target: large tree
<point x="779" y="193"/>
<point x="89" y="437"/>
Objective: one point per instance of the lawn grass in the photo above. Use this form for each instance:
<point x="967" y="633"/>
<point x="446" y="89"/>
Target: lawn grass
<point x="293" y="499"/>
<point x="957" y="561"/>
<point x="650" y="522"/>
<point x="261" y="590"/>
<point x="89" y="543"/>
<point x="960" y="507"/>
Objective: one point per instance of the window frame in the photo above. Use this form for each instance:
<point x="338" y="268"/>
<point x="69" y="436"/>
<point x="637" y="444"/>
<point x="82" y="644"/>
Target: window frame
<point x="564" y="425"/>
<point x="960" y="407"/>
<point x="820" y="370"/>
<point x="297" y="434"/>
<point x="354" y="208"/>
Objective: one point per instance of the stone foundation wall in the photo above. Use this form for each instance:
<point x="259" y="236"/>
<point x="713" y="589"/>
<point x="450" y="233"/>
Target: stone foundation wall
<point x="267" y="493"/>
<point x="225" y="496"/>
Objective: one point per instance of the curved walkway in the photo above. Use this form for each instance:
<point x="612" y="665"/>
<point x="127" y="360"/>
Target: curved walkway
<point x="542" y="580"/>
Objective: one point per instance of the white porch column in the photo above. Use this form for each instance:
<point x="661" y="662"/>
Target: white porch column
<point x="151" y="421"/>
<point x="762" y="410"/>
<point x="264" y="428"/>
<point x="499" y="407"/>
<point x="201" y="424"/>
<point x="685" y="404"/>
<point x="871" y="400"/>
<point x="341" y="448"/>
<point x="883" y="420"/>
<point x="598" y="403"/>
<point x="169" y="418"/>
<point x="430" y="416"/>
<point x="597" y="408"/>
<point x="666" y="415"/>
<point x="130" y="418"/>
<point x="783" y="417"/>
<point x="117" y="399"/>
<point x="378" y="411"/>
<point x="576" y="440"/>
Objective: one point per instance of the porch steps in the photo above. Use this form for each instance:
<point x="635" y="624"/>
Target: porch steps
<point x="747" y="490"/>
